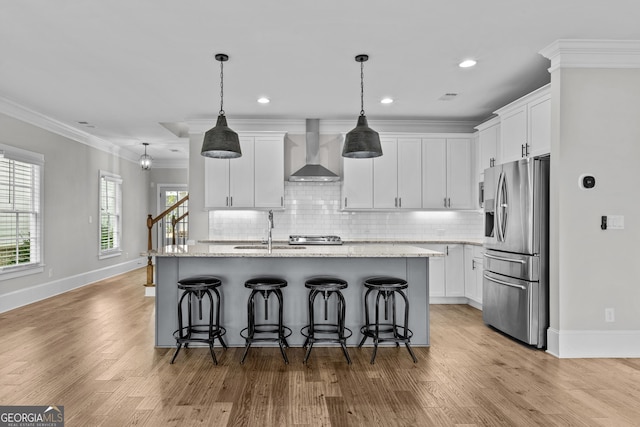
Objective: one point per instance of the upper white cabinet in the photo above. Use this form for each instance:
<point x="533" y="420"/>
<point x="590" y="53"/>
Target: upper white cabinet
<point x="488" y="143"/>
<point x="397" y="174"/>
<point x="254" y="180"/>
<point x="357" y="185"/>
<point x="525" y="126"/>
<point x="446" y="173"/>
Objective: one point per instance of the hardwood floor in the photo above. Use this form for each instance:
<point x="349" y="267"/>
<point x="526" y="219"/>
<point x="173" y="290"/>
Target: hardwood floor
<point x="92" y="351"/>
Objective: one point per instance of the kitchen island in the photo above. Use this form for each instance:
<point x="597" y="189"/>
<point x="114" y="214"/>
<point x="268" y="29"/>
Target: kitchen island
<point x="234" y="263"/>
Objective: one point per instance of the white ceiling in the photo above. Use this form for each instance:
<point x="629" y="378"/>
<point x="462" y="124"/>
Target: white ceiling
<point x="125" y="67"/>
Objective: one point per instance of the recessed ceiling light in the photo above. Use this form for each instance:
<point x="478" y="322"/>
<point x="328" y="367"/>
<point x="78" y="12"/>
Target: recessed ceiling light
<point x="264" y="100"/>
<point x="386" y="100"/>
<point x="467" y="63"/>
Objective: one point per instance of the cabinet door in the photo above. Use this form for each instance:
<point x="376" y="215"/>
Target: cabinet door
<point x="409" y="173"/>
<point x="216" y="183"/>
<point x="540" y="127"/>
<point x="436" y="272"/>
<point x="357" y="186"/>
<point x="454" y="271"/>
<point x="459" y="173"/>
<point x="269" y="172"/>
<point x="241" y="176"/>
<point x="434" y="173"/>
<point x="470" y="280"/>
<point x="488" y="147"/>
<point x="513" y="134"/>
<point x="385" y="176"/>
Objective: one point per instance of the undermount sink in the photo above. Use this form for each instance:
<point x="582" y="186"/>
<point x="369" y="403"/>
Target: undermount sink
<point x="265" y="247"/>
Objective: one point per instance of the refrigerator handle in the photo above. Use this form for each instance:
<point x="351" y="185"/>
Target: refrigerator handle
<point x="502" y="282"/>
<point x="499" y="258"/>
<point x="499" y="193"/>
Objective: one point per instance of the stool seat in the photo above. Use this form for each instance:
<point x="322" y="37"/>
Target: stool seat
<point x="265" y="283"/>
<point x="385" y="283"/>
<point x="199" y="287"/>
<point x="325" y="284"/>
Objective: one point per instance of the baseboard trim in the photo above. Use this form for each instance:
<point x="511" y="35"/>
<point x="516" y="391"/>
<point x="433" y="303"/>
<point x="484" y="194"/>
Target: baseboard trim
<point x="22" y="297"/>
<point x="593" y="344"/>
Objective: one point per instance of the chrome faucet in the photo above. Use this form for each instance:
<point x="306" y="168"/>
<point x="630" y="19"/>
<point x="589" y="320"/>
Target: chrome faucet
<point x="269" y="228"/>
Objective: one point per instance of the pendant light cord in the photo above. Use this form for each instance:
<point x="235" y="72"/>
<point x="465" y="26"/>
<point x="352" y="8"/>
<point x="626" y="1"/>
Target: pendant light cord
<point x="221" y="112"/>
<point x="362" y="88"/>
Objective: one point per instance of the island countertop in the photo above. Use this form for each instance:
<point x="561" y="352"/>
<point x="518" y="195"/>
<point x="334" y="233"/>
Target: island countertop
<point x="283" y="250"/>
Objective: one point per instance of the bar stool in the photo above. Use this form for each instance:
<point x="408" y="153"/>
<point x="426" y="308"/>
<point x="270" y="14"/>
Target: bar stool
<point x="265" y="286"/>
<point x="387" y="288"/>
<point x="197" y="287"/>
<point x="326" y="286"/>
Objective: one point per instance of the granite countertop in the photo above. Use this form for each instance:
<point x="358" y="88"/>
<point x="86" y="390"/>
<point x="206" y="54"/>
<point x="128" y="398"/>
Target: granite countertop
<point x="283" y="250"/>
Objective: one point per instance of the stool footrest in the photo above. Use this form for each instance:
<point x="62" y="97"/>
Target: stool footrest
<point x="326" y="328"/>
<point x="391" y="332"/>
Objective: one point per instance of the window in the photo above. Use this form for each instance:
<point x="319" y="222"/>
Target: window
<point x="110" y="215"/>
<point x="20" y="212"/>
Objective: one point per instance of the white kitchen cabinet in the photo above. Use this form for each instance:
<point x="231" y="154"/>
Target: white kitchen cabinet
<point x="473" y="259"/>
<point x="446" y="173"/>
<point x="446" y="274"/>
<point x="525" y="126"/>
<point x="488" y="142"/>
<point x="254" y="180"/>
<point x="397" y="174"/>
<point x="357" y="185"/>
<point x="269" y="172"/>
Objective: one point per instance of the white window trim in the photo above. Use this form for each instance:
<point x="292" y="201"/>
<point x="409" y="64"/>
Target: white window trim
<point x="21" y="155"/>
<point x="109" y="253"/>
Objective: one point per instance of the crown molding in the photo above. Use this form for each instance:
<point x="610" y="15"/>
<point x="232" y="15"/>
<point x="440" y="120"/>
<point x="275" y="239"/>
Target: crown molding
<point x="17" y="111"/>
<point x="569" y="53"/>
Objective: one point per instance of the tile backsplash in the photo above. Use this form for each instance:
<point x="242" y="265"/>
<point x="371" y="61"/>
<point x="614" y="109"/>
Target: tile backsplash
<point x="314" y="208"/>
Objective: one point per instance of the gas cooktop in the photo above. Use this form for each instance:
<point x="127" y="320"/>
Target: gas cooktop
<point x="315" y="240"/>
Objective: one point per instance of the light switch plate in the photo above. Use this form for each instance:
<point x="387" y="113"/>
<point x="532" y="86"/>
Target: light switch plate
<point x="615" y="222"/>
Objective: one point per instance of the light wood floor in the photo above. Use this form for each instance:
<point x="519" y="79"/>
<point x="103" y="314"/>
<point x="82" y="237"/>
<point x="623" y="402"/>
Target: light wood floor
<point x="92" y="351"/>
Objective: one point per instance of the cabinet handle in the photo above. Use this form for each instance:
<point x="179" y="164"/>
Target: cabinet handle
<point x="399" y="202"/>
<point x="445" y="202"/>
<point x="226" y="203"/>
<point x="447" y="250"/>
<point x="281" y="201"/>
<point x="449" y="202"/>
<point x="396" y="202"/>
<point x="522" y="150"/>
<point x="230" y="200"/>
<point x="526" y="150"/>
<point x="345" y="202"/>
<point x="473" y="264"/>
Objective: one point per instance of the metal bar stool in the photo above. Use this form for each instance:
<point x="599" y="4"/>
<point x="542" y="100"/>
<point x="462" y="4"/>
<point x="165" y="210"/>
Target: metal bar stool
<point x="265" y="286"/>
<point x="197" y="287"/>
<point x="326" y="286"/>
<point x="386" y="288"/>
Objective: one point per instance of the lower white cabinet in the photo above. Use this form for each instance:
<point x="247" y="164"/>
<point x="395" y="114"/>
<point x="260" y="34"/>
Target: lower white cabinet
<point x="473" y="260"/>
<point x="446" y="274"/>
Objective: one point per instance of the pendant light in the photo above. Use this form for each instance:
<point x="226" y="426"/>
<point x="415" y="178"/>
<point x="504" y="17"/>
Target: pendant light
<point x="145" y="159"/>
<point x="221" y="142"/>
<point x="362" y="142"/>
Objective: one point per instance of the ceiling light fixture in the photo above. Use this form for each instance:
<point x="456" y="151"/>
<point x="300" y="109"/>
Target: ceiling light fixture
<point x="386" y="100"/>
<point x="362" y="142"/>
<point x="145" y="159"/>
<point x="221" y="142"/>
<point x="264" y="100"/>
<point x="467" y="63"/>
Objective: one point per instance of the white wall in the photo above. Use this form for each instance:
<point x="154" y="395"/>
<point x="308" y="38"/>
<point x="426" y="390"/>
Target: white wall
<point x="70" y="199"/>
<point x="596" y="130"/>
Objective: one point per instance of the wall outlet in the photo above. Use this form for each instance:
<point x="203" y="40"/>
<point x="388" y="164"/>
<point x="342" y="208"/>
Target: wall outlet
<point x="609" y="315"/>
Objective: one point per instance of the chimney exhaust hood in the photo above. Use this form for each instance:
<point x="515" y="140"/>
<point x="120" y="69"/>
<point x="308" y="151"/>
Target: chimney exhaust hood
<point x="313" y="171"/>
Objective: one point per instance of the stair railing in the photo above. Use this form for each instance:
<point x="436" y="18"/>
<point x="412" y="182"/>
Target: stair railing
<point x="150" y="223"/>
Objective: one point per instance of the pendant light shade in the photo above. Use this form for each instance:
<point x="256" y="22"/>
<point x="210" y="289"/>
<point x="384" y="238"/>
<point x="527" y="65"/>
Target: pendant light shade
<point x="362" y="142"/>
<point x="145" y="159"/>
<point x="221" y="142"/>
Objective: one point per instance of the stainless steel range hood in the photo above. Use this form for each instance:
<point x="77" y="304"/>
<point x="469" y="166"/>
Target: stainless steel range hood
<point x="313" y="171"/>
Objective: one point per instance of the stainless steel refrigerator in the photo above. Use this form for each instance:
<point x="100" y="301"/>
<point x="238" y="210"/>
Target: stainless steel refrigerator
<point x="515" y="293"/>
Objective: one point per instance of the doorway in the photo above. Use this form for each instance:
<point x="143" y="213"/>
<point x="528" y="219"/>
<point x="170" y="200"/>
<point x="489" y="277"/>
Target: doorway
<point x="168" y="233"/>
